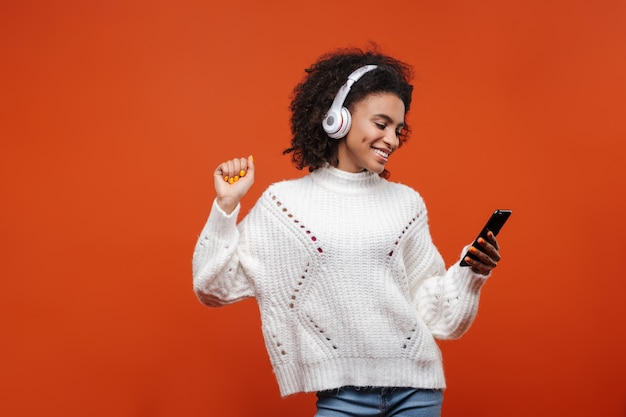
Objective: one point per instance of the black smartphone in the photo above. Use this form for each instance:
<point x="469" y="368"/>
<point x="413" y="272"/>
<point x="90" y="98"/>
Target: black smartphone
<point x="494" y="224"/>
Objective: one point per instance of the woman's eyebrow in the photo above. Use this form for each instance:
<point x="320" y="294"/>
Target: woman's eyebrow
<point x="388" y="119"/>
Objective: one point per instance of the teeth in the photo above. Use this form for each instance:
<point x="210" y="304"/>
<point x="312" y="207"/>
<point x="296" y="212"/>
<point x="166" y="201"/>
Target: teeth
<point x="381" y="153"/>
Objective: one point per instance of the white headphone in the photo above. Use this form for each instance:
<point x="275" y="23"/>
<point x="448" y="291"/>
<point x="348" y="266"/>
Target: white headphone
<point x="338" y="119"/>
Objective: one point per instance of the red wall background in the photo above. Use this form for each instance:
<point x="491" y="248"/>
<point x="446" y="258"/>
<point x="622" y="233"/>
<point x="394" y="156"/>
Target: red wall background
<point x="113" y="115"/>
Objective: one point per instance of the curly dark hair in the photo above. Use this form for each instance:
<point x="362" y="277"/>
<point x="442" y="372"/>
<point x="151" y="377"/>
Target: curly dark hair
<point x="310" y="145"/>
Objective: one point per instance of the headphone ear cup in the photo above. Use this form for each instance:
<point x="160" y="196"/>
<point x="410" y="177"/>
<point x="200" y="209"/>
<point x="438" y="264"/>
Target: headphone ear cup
<point x="345" y="121"/>
<point x="332" y="122"/>
<point x="346" y="118"/>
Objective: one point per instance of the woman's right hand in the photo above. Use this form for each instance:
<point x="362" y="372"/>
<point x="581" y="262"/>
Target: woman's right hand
<point x="233" y="179"/>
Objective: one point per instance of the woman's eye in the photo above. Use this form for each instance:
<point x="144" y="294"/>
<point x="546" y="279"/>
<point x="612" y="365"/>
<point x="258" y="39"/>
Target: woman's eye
<point x="380" y="126"/>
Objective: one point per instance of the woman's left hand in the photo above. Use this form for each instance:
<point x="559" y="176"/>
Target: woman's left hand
<point x="488" y="255"/>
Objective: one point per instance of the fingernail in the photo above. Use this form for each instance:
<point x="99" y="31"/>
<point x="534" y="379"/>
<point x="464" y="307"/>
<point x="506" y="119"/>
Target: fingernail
<point x="231" y="180"/>
<point x="226" y="178"/>
<point x="252" y="158"/>
<point x="236" y="178"/>
<point x="242" y="173"/>
<point x="481" y="240"/>
<point x="473" y="249"/>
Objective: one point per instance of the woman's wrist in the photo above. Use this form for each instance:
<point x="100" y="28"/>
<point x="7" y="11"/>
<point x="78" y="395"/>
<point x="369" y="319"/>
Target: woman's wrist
<point x="227" y="204"/>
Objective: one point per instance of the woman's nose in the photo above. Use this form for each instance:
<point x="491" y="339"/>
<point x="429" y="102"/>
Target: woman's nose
<point x="392" y="140"/>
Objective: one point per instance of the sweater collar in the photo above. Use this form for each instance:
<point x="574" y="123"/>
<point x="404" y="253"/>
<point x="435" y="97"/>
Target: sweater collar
<point x="346" y="182"/>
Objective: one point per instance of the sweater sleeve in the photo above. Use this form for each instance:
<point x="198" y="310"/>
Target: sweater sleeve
<point x="448" y="303"/>
<point x="218" y="275"/>
<point x="447" y="300"/>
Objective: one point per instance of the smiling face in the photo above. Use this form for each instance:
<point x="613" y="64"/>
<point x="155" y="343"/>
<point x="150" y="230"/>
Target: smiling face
<point x="377" y="124"/>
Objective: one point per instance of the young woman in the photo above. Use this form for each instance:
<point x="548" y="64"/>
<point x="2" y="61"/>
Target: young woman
<point x="351" y="289"/>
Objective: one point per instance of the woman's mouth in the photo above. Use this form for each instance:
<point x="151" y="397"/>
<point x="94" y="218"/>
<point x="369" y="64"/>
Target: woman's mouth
<point x="381" y="153"/>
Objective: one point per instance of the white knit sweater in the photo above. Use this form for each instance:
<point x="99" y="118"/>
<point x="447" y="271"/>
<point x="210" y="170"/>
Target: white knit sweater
<point x="350" y="287"/>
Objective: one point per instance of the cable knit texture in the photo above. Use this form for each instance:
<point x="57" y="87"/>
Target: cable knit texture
<point x="350" y="287"/>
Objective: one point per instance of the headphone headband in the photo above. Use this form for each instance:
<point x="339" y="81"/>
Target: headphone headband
<point x="345" y="89"/>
